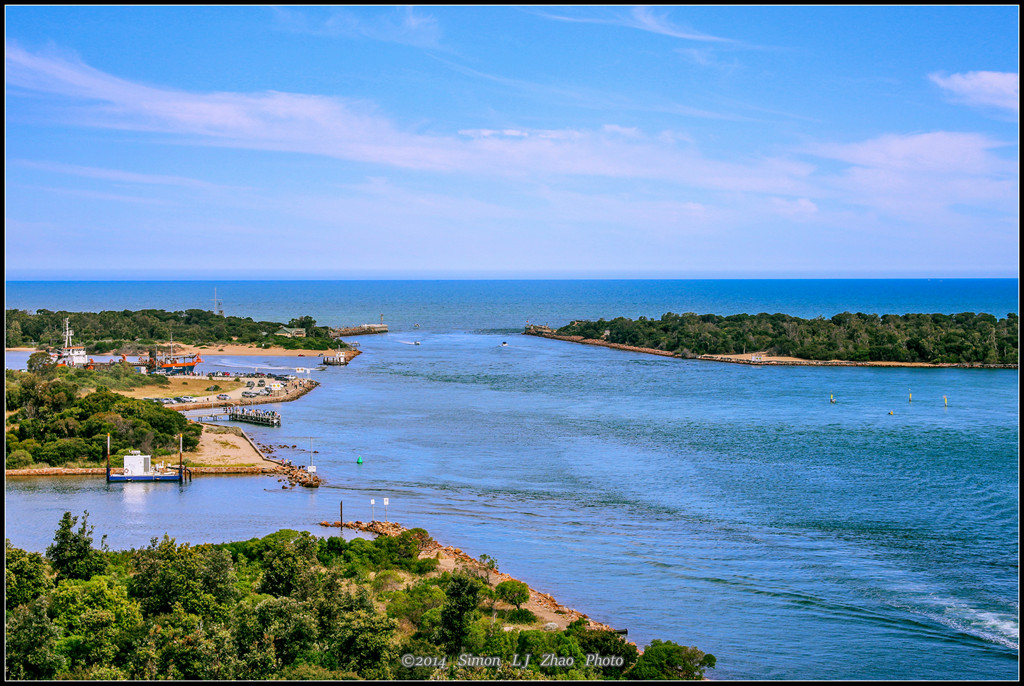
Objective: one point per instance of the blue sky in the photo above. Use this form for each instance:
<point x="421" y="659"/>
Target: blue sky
<point x="504" y="142"/>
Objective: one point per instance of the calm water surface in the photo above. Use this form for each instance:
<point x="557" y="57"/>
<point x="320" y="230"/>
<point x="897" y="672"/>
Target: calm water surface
<point x="723" y="506"/>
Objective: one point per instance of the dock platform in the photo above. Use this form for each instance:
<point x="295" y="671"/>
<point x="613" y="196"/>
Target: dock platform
<point x="241" y="414"/>
<point x="253" y="416"/>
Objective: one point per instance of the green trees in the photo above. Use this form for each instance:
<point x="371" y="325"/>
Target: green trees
<point x="669" y="660"/>
<point x="71" y="555"/>
<point x="935" y="338"/>
<point x="288" y="567"/>
<point x="40" y="363"/>
<point x="56" y="427"/>
<point x="31" y="643"/>
<point x="229" y="612"/>
<point x="110" y="331"/>
<point x="461" y="597"/>
<point x="606" y="644"/>
<point x="200" y="579"/>
<point x="26" y="576"/>
<point x="92" y="615"/>
<point x="513" y="592"/>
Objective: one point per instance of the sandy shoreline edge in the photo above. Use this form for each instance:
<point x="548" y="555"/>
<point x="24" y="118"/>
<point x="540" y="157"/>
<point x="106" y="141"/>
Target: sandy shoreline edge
<point x="762" y="359"/>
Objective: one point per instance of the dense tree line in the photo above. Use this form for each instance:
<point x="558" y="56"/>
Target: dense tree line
<point x="52" y="424"/>
<point x="133" y="331"/>
<point x="936" y="338"/>
<point x="286" y="606"/>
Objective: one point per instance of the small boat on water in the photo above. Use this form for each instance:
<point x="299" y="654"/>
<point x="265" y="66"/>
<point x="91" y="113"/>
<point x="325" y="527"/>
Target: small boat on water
<point x="139" y="467"/>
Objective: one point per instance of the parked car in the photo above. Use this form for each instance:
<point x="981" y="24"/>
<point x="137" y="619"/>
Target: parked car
<point x="249" y="384"/>
<point x="223" y="396"/>
<point x="261" y="382"/>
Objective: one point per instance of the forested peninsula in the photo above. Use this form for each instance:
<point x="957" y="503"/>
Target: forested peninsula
<point x="130" y="332"/>
<point x="294" y="606"/>
<point x="966" y="338"/>
<point x="60" y="416"/>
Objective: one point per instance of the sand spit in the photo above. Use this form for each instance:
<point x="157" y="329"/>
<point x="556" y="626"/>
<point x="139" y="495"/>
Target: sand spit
<point x="760" y="358"/>
<point x="547" y="609"/>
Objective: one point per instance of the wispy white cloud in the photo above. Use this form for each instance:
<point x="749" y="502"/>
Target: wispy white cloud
<point x="643" y="19"/>
<point x="116" y="175"/>
<point x="924" y="177"/>
<point x="794" y="209"/>
<point x="982" y="88"/>
<point x="97" y="195"/>
<point x="405" y="25"/>
<point x="355" y="131"/>
<point x="934" y="152"/>
<point x="912" y="177"/>
<point x="590" y="98"/>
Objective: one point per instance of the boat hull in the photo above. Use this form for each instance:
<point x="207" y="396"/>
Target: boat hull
<point x="146" y="477"/>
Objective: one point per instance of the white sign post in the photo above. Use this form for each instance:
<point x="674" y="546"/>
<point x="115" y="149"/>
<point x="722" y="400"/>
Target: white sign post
<point x="372" y="516"/>
<point x="385" y="509"/>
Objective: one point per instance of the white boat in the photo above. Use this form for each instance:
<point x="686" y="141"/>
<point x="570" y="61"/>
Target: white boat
<point x="70" y="355"/>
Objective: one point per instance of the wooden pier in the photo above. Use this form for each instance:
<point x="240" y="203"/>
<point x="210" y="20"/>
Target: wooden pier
<point x="341" y="356"/>
<point x="238" y="414"/>
<point x="263" y="417"/>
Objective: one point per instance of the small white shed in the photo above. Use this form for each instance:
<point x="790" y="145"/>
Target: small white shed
<point x="136" y="464"/>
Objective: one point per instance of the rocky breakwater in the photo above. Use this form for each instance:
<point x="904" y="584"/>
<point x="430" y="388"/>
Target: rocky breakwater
<point x="552" y="614"/>
<point x="545" y="332"/>
<point x="297" y="476"/>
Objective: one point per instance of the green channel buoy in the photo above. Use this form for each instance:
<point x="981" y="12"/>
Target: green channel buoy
<point x="359" y="460"/>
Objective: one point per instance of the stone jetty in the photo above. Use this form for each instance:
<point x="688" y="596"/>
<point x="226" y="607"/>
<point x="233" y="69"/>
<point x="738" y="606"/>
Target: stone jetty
<point x="297" y="476"/>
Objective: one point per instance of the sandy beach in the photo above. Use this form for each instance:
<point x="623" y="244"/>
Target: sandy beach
<point x="245" y="350"/>
<point x="223" y="446"/>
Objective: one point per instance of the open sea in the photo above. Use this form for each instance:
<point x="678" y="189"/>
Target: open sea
<point x="728" y="507"/>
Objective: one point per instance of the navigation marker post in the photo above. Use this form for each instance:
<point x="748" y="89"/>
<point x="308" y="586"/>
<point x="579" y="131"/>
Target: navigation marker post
<point x="373" y="517"/>
<point x="385" y="509"/>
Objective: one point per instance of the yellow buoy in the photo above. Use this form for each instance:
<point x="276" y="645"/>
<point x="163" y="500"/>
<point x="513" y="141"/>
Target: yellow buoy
<point x="890" y="411"/>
